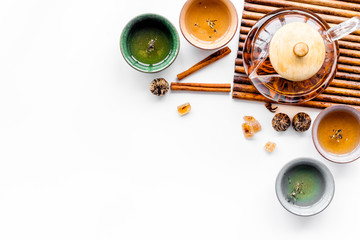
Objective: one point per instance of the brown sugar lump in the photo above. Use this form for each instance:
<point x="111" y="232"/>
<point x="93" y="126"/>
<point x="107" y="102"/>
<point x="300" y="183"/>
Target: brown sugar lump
<point x="253" y="122"/>
<point x="270" y="147"/>
<point x="184" y="109"/>
<point x="248" y="130"/>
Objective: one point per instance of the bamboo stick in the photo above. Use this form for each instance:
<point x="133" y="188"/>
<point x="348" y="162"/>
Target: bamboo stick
<point x="342" y="43"/>
<point x="259" y="97"/>
<point x="261" y="9"/>
<point x="315" y="8"/>
<point x="332" y="19"/>
<point x="351" y="38"/>
<point x="345" y="84"/>
<point x="245" y="86"/>
<point x="239" y="61"/>
<point x="350" y="61"/>
<point x="354" y="1"/>
<point x="244" y="30"/>
<point x="339" y="75"/>
<point x="347" y="76"/>
<point x="242" y="37"/>
<point x="349" y="45"/>
<point x="321" y="97"/>
<point x="338" y="99"/>
<point x="333" y="4"/>
<point x="247" y="23"/>
<point x="347" y="68"/>
<point x="241" y="46"/>
<point x="240" y="69"/>
<point x="342" y="92"/>
<point x="350" y="53"/>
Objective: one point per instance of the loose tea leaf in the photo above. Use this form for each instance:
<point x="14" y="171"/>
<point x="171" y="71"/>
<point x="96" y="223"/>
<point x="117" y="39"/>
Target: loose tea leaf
<point x="151" y="45"/>
<point x="298" y="189"/>
<point x="270" y="107"/>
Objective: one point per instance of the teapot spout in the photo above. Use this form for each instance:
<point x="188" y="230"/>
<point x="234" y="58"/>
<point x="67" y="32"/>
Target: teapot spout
<point x="344" y="29"/>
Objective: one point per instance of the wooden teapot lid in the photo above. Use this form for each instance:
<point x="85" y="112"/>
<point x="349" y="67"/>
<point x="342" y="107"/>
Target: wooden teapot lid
<point x="297" y="51"/>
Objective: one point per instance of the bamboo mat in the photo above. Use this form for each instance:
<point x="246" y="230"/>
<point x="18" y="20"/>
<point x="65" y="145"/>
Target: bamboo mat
<point x="345" y="88"/>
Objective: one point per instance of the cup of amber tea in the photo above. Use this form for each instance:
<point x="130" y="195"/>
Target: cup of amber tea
<point x="336" y="133"/>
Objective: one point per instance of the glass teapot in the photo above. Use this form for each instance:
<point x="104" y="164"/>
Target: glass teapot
<point x="291" y="54"/>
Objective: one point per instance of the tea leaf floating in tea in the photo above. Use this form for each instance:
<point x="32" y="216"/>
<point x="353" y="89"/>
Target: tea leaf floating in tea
<point x="151" y="45"/>
<point x="298" y="189"/>
<point x="337" y="135"/>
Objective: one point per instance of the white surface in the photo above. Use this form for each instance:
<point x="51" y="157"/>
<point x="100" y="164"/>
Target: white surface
<point x="87" y="152"/>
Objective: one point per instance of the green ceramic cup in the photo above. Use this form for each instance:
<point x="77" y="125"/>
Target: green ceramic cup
<point x="152" y="20"/>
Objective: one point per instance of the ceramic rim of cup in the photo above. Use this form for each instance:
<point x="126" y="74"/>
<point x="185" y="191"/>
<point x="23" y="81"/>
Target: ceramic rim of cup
<point x="322" y="203"/>
<point x="172" y="30"/>
<point x="335" y="158"/>
<point x="230" y="35"/>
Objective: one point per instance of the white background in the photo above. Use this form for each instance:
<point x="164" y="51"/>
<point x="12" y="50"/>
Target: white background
<point x="87" y="152"/>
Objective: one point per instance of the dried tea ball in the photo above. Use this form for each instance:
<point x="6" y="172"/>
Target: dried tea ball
<point x="301" y="122"/>
<point x="281" y="122"/>
<point x="159" y="86"/>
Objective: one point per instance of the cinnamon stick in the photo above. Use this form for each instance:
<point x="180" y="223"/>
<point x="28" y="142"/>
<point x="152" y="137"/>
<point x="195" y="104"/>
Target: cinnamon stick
<point x="204" y="85"/>
<point x="199" y="89"/>
<point x="210" y="59"/>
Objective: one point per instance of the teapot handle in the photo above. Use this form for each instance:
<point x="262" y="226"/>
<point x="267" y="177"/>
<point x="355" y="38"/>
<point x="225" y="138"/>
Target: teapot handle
<point x="344" y="29"/>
